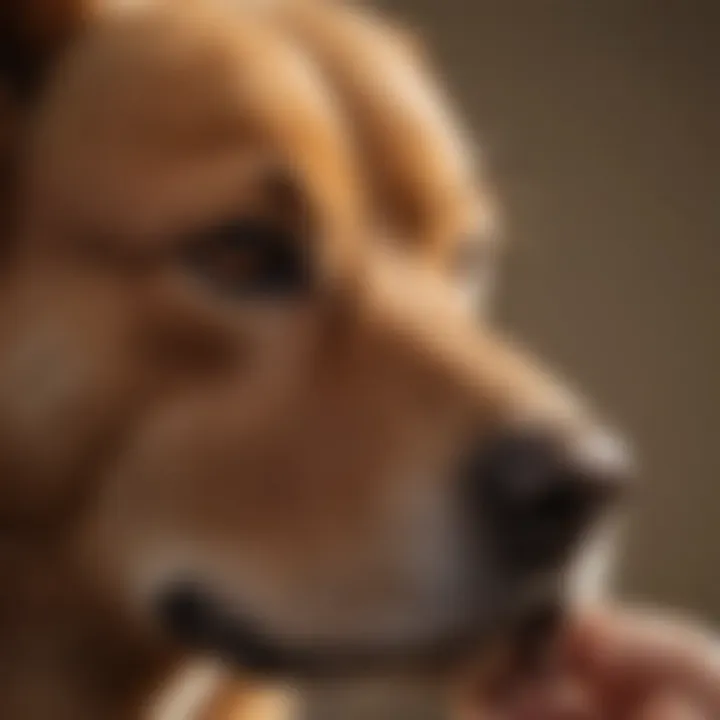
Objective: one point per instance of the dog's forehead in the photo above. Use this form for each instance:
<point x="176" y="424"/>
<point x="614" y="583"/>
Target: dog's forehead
<point x="162" y="114"/>
<point x="159" y="117"/>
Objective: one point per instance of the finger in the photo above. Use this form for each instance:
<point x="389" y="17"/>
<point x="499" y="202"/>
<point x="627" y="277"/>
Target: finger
<point x="634" y="649"/>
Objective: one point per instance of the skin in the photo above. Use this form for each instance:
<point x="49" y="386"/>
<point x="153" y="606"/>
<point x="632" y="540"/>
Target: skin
<point x="619" y="662"/>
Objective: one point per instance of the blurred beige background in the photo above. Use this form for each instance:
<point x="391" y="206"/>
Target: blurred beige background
<point x="599" y="119"/>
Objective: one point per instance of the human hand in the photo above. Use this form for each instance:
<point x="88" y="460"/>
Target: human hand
<point x="618" y="664"/>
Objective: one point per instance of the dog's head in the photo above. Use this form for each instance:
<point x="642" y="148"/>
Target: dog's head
<point x="241" y="380"/>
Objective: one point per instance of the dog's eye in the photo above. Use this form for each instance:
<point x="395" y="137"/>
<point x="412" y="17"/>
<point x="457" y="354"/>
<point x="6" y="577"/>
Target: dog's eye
<point x="249" y="258"/>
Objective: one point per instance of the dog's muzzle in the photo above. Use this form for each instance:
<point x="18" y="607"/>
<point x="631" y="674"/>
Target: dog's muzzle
<point x="527" y="501"/>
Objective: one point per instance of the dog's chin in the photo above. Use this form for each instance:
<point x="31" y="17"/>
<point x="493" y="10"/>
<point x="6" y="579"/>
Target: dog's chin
<point x="201" y="624"/>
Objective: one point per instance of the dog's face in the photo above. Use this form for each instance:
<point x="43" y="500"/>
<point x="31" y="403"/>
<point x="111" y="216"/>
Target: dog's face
<point x="238" y="361"/>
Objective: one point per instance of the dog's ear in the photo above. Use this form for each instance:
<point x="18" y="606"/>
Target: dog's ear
<point x="32" y="33"/>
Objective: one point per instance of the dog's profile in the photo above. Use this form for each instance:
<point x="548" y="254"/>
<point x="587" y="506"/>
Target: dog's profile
<point x="249" y="407"/>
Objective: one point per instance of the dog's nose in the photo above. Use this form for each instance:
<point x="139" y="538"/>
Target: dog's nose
<point x="537" y="496"/>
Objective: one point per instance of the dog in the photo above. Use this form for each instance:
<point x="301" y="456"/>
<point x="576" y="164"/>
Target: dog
<point x="251" y="403"/>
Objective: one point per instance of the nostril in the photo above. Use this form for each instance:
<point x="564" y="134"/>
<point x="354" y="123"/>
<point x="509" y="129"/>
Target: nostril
<point x="538" y="496"/>
<point x="560" y="503"/>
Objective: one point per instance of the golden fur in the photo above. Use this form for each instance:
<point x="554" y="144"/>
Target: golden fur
<point x="139" y="412"/>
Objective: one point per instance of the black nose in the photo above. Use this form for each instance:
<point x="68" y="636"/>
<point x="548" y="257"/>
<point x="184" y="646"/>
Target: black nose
<point x="535" y="497"/>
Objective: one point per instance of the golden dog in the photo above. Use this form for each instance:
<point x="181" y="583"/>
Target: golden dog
<point x="248" y="406"/>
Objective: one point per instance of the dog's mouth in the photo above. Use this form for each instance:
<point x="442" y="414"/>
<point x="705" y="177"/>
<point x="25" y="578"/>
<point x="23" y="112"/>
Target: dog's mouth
<point x="198" y="621"/>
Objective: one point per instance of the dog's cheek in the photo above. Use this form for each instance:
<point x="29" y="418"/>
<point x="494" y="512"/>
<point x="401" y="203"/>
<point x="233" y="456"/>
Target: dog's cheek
<point x="66" y="393"/>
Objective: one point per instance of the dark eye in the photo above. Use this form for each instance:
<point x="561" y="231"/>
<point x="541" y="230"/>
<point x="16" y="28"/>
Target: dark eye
<point x="249" y="258"/>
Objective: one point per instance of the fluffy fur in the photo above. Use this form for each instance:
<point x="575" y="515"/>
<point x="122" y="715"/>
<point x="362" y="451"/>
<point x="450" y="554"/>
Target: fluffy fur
<point x="294" y="456"/>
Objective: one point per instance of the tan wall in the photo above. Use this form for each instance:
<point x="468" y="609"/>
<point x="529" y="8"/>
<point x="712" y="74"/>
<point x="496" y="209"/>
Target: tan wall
<point x="600" y="120"/>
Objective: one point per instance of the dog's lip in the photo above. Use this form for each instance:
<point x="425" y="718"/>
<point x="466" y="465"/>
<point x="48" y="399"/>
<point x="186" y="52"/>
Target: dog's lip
<point x="196" y="620"/>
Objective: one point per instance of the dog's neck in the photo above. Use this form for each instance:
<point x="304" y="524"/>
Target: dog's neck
<point x="60" y="656"/>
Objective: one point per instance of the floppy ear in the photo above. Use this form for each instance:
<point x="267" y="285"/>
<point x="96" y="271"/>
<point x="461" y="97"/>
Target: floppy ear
<point x="32" y="32"/>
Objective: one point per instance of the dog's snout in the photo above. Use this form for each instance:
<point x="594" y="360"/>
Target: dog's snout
<point x="537" y="496"/>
